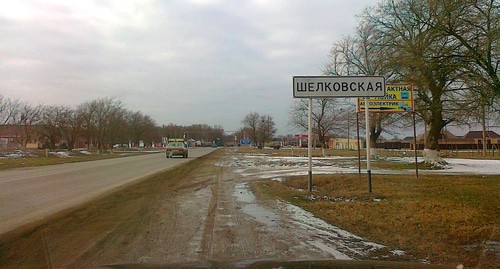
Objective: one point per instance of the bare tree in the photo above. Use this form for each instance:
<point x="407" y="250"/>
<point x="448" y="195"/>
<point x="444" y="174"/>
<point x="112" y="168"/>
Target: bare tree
<point x="251" y="124"/>
<point x="87" y="111"/>
<point x="201" y="132"/>
<point x="365" y="53"/>
<point x="475" y="26"/>
<point x="49" y="126"/>
<point x="99" y="118"/>
<point x="71" y="125"/>
<point x="422" y="56"/>
<point x="26" y="118"/>
<point x="140" y="126"/>
<point x="259" y="127"/>
<point x="216" y="131"/>
<point x="326" y="116"/>
<point x="266" y="129"/>
<point x="173" y="131"/>
<point x="117" y="128"/>
<point x="59" y="126"/>
<point x="100" y="122"/>
<point x="8" y="110"/>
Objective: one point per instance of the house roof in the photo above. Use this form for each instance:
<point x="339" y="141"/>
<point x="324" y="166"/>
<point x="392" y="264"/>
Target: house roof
<point x="445" y="134"/>
<point x="479" y="135"/>
<point x="8" y="131"/>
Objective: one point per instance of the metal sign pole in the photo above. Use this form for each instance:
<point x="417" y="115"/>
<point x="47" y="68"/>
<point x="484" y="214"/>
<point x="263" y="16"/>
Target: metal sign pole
<point x="309" y="145"/>
<point x="415" y="143"/>
<point x="367" y="124"/>
<point x="359" y="148"/>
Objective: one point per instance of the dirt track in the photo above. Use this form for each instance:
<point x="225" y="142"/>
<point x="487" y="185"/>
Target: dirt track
<point x="198" y="211"/>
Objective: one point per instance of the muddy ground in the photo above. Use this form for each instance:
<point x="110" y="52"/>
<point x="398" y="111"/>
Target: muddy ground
<point x="203" y="210"/>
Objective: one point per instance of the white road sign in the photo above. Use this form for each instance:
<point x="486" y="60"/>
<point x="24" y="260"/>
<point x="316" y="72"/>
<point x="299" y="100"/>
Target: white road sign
<point x="338" y="86"/>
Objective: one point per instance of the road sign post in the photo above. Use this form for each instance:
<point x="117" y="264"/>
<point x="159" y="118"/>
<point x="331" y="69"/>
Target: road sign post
<point x="398" y="98"/>
<point x="309" y="145"/>
<point x="367" y="124"/>
<point x="415" y="143"/>
<point x="337" y="87"/>
<point x="359" y="150"/>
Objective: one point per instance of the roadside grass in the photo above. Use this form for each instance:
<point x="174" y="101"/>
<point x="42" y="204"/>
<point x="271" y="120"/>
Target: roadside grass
<point x="38" y="158"/>
<point x="387" y="165"/>
<point x="439" y="219"/>
<point x="393" y="165"/>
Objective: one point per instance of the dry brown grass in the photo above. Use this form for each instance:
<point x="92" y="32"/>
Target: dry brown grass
<point x="444" y="219"/>
<point x="38" y="159"/>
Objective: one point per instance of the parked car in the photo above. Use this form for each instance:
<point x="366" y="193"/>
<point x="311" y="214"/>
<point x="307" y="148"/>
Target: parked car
<point x="275" y="144"/>
<point x="176" y="149"/>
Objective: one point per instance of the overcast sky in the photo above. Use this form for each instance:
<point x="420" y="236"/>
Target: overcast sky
<point x="182" y="62"/>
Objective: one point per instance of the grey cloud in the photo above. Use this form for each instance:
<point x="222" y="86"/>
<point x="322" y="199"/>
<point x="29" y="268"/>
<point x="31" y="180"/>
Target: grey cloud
<point x="217" y="62"/>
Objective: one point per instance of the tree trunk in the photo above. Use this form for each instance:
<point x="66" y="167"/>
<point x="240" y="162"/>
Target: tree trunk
<point x="373" y="150"/>
<point x="71" y="145"/>
<point x="375" y="132"/>
<point x="430" y="153"/>
<point x="483" y="122"/>
<point x="434" y="124"/>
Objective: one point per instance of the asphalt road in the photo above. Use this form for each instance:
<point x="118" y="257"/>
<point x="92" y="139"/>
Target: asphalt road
<point x="30" y="194"/>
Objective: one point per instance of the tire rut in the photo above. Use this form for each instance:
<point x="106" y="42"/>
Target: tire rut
<point x="208" y="233"/>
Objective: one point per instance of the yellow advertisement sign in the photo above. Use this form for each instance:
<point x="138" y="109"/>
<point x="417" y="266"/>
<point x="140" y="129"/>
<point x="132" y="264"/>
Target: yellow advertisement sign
<point x="398" y="98"/>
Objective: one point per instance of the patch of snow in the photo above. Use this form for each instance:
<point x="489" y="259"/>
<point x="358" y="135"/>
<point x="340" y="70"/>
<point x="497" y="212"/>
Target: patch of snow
<point x="257" y="154"/>
<point x="62" y="154"/>
<point x="338" y="242"/>
<point x="473" y="166"/>
<point x="269" y="167"/>
<point x="398" y="252"/>
<point x="251" y="207"/>
<point x="239" y="171"/>
<point x="85" y="152"/>
<point x="425" y="261"/>
<point x="404" y="159"/>
<point x="335" y="253"/>
<point x="14" y="155"/>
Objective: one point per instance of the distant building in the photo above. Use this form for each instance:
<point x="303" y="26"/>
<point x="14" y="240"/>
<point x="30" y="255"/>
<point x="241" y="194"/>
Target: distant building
<point x="447" y="141"/>
<point x="477" y="137"/>
<point x="344" y="143"/>
<point x="12" y="137"/>
<point x="470" y="141"/>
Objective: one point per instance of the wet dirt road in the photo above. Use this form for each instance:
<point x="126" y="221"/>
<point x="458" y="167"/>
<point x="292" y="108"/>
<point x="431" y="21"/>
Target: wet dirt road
<point x="203" y="210"/>
<point x="212" y="215"/>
